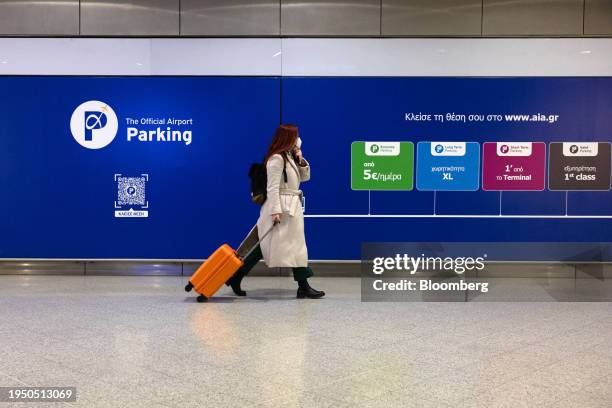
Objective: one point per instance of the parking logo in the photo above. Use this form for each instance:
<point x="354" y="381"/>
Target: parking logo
<point x="131" y="196"/>
<point x="94" y="124"/>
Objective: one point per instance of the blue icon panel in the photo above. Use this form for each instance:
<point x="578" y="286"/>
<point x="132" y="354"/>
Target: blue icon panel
<point x="448" y="166"/>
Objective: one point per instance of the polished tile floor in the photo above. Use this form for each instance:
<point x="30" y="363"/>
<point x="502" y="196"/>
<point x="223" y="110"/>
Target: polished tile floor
<point x="142" y="341"/>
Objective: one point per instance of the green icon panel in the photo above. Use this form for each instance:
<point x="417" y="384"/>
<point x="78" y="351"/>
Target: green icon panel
<point x="382" y="166"/>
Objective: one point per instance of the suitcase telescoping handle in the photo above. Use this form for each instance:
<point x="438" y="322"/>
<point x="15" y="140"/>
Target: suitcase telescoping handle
<point x="259" y="240"/>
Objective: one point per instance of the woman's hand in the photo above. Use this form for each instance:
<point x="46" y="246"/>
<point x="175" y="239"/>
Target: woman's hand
<point x="276" y="218"/>
<point x="298" y="155"/>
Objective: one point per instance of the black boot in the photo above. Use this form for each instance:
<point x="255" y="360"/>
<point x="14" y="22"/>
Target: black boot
<point x="234" y="283"/>
<point x="305" y="291"/>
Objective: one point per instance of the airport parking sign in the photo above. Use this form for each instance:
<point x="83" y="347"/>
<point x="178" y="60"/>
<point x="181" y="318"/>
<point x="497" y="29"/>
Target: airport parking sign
<point x="579" y="166"/>
<point x="382" y="165"/>
<point x="448" y="166"/>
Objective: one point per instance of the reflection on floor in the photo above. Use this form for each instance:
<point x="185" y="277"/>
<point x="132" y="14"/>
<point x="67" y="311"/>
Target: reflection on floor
<point x="142" y="341"/>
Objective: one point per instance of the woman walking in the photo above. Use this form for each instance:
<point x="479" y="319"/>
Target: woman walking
<point x="285" y="246"/>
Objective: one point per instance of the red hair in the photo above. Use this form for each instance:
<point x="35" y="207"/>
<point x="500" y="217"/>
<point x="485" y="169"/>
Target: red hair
<point x="284" y="139"/>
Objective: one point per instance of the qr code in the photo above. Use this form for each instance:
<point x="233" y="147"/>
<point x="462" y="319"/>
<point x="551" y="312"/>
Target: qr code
<point x="131" y="191"/>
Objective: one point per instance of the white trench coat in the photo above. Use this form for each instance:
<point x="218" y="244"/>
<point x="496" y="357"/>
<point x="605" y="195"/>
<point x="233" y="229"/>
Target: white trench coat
<point x="285" y="246"/>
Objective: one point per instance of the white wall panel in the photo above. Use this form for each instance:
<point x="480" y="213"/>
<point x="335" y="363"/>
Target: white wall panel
<point x="220" y="56"/>
<point x="448" y="57"/>
<point x="307" y="57"/>
<point x="74" y="56"/>
<point x="158" y="56"/>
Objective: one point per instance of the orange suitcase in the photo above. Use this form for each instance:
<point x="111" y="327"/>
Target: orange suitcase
<point x="217" y="269"/>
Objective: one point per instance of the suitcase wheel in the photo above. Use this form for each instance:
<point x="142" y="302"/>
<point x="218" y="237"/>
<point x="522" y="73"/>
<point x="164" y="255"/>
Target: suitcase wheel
<point x="188" y="287"/>
<point x="201" y="299"/>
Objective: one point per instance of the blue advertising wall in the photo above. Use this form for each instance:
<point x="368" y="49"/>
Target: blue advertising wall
<point x="59" y="196"/>
<point x="371" y="109"/>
